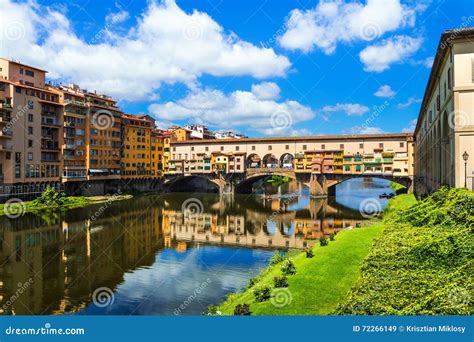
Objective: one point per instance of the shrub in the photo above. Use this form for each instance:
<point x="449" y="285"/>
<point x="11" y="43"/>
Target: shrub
<point x="332" y="237"/>
<point x="280" y="281"/>
<point x="212" y="311"/>
<point x="288" y="267"/>
<point x="323" y="241"/>
<point x="309" y="253"/>
<point x="262" y="294"/>
<point x="277" y="258"/>
<point x="252" y="282"/>
<point x="242" y="310"/>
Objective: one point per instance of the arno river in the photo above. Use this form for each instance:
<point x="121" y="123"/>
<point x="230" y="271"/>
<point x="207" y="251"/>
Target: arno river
<point x="162" y="254"/>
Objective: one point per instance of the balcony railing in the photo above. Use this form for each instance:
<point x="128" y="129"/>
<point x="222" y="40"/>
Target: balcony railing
<point x="6" y="147"/>
<point x="49" y="145"/>
<point x="4" y="105"/>
<point x="6" y="134"/>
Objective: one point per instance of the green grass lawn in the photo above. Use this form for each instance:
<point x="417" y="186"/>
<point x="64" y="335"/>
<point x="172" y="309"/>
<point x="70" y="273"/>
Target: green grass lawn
<point x="321" y="282"/>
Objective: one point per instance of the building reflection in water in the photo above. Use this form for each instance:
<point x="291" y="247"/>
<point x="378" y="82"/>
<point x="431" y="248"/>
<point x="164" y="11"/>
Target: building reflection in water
<point x="53" y="266"/>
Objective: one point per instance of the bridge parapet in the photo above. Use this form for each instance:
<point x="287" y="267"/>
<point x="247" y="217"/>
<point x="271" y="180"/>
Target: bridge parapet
<point x="270" y="171"/>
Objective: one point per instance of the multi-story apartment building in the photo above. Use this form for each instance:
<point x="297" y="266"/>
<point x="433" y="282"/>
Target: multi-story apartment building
<point x="444" y="132"/>
<point x="73" y="149"/>
<point x="31" y="133"/>
<point x="137" y="146"/>
<point x="104" y="137"/>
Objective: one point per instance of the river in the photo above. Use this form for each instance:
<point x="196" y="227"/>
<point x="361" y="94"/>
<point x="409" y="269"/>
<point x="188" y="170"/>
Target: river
<point x="163" y="254"/>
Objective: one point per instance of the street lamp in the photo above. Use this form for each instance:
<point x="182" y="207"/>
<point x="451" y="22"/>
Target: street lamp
<point x="465" y="157"/>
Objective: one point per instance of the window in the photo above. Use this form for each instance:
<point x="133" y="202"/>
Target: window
<point x="192" y="148"/>
<point x="30" y="130"/>
<point x="253" y="148"/>
<point x="402" y="144"/>
<point x="222" y="148"/>
<point x="323" y="147"/>
<point x="29" y="73"/>
<point x="269" y="147"/>
<point x="381" y="145"/>
<point x="30" y="143"/>
<point x="237" y="148"/>
<point x="30" y="156"/>
<point x="207" y="148"/>
<point x="361" y="145"/>
<point x="287" y="147"/>
<point x="449" y="78"/>
<point x="30" y="117"/>
<point x="18" y="90"/>
<point x="341" y="146"/>
<point x="304" y="147"/>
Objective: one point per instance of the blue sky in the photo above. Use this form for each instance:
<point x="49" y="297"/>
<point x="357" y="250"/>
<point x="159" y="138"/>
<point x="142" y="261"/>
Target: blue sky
<point x="257" y="67"/>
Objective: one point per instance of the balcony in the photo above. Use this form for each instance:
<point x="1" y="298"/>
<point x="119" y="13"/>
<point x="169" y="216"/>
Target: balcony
<point x="73" y="102"/>
<point x="6" y="134"/>
<point x="7" y="106"/>
<point x="5" y="147"/>
<point x="5" y="119"/>
<point x="50" y="121"/>
<point x="49" y="145"/>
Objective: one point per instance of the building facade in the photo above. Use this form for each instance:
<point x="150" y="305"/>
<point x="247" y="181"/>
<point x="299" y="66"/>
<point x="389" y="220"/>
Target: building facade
<point x="31" y="135"/>
<point x="445" y="127"/>
<point x="384" y="154"/>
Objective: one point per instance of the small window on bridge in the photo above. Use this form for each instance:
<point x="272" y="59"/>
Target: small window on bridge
<point x="381" y="145"/>
<point x="222" y="148"/>
<point x="323" y="147"/>
<point x="341" y="146"/>
<point x="269" y="147"/>
<point x="253" y="148"/>
<point x="361" y="145"/>
<point x="287" y="147"/>
<point x="402" y="144"/>
<point x="237" y="148"/>
<point x="304" y="147"/>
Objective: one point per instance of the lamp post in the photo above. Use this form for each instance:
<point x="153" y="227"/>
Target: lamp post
<point x="465" y="157"/>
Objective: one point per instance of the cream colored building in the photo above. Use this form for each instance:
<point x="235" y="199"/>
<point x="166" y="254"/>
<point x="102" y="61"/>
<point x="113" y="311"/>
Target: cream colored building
<point x="445" y="127"/>
<point x="394" y="152"/>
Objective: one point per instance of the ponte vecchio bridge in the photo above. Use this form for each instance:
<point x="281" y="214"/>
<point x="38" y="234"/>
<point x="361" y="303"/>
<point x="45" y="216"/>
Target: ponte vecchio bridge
<point x="320" y="162"/>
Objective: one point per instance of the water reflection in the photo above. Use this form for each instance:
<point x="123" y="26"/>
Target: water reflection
<point x="151" y="253"/>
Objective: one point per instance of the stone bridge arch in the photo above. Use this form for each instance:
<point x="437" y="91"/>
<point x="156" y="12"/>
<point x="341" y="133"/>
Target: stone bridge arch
<point x="171" y="184"/>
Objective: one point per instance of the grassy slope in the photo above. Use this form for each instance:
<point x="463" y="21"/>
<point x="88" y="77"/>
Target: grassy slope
<point x="422" y="264"/>
<point x="321" y="282"/>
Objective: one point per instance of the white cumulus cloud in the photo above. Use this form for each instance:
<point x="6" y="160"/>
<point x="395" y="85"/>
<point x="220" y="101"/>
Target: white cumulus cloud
<point x="348" y="108"/>
<point x="334" y="21"/>
<point x="380" y="56"/>
<point x="167" y="45"/>
<point x="385" y="91"/>
<point x="266" y="90"/>
<point x="244" y="109"/>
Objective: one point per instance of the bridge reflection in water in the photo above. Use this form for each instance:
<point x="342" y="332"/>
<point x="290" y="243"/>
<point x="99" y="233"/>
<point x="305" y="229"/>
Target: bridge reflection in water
<point x="59" y="260"/>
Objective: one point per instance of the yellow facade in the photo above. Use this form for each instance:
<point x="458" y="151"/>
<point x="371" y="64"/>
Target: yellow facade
<point x="137" y="147"/>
